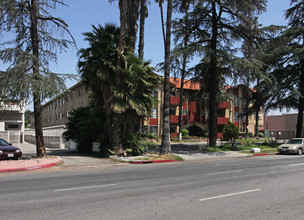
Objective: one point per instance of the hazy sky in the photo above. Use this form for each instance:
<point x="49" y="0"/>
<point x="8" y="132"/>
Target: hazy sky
<point x="80" y="15"/>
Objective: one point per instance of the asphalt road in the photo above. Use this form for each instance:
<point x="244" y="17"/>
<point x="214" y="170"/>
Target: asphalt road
<point x="269" y="187"/>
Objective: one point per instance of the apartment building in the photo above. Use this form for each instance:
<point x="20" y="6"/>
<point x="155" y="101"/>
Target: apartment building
<point x="56" y="111"/>
<point x="195" y="114"/>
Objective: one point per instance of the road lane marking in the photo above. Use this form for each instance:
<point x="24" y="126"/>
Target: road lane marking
<point x="84" y="187"/>
<point x="231" y="194"/>
<point x="296" y="164"/>
<point x="232" y="171"/>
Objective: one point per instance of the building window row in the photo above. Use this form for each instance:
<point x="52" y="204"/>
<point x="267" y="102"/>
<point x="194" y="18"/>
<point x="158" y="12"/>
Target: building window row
<point x="58" y="116"/>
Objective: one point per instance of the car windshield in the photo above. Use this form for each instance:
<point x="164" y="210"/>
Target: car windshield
<point x="294" y="141"/>
<point x="3" y="143"/>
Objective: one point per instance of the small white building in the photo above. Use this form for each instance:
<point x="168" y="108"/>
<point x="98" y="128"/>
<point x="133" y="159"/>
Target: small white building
<point x="12" y="120"/>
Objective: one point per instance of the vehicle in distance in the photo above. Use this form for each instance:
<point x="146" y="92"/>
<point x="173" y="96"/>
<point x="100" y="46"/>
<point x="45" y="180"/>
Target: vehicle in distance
<point x="7" y="151"/>
<point x="293" y="146"/>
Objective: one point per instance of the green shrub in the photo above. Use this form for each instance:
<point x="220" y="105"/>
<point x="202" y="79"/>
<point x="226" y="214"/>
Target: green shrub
<point x="230" y="131"/>
<point x="243" y="134"/>
<point x="185" y="133"/>
<point x="261" y="135"/>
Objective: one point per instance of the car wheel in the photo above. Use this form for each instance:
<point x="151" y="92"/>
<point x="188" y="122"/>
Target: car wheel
<point x="300" y="151"/>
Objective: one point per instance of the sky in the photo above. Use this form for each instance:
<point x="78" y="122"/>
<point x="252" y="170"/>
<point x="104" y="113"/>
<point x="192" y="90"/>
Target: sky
<point x="81" y="15"/>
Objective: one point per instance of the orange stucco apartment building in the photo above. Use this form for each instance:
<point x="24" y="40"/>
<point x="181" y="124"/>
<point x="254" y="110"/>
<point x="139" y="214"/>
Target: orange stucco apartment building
<point x="195" y="115"/>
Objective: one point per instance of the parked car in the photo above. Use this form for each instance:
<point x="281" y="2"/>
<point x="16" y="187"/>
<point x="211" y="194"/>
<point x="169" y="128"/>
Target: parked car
<point x="293" y="146"/>
<point x="7" y="151"/>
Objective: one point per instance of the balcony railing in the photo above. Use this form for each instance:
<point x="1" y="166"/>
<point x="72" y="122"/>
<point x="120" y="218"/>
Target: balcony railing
<point x="174" y="100"/>
<point x="223" y="105"/>
<point x="222" y="121"/>
<point x="219" y="135"/>
<point x="153" y="121"/>
<point x="173" y="119"/>
<point x="173" y="135"/>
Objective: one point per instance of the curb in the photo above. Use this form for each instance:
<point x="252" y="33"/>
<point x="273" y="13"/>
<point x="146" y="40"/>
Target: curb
<point x="59" y="162"/>
<point x="264" y="154"/>
<point x="151" y="161"/>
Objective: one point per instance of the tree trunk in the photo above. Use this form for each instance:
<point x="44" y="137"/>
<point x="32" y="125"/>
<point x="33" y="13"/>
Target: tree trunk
<point x="180" y="115"/>
<point x="36" y="94"/>
<point x="213" y="77"/>
<point x="123" y="6"/>
<point x="132" y="14"/>
<point x="165" y="147"/>
<point x="257" y="111"/>
<point x="247" y="107"/>
<point x="141" y="43"/>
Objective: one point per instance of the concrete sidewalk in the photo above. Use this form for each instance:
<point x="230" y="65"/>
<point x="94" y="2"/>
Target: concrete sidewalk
<point x="28" y="161"/>
<point x="28" y="164"/>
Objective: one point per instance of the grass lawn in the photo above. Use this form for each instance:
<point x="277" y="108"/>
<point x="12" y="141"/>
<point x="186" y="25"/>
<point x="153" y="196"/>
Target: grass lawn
<point x="161" y="157"/>
<point x="269" y="151"/>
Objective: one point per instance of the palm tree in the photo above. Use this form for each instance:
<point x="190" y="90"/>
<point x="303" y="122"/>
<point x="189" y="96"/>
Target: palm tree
<point x="143" y="16"/>
<point x="165" y="145"/>
<point x="98" y="67"/>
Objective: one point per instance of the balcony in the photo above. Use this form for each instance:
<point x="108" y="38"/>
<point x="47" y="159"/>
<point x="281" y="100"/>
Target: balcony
<point x="222" y="121"/>
<point x="223" y="105"/>
<point x="219" y="135"/>
<point x="173" y="135"/>
<point x="174" y="100"/>
<point x="173" y="119"/>
<point x="153" y="121"/>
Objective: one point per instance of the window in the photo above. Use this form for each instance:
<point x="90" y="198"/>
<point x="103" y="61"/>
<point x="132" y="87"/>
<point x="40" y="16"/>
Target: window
<point x="244" y="118"/>
<point x="185" y="94"/>
<point x="244" y="101"/>
<point x="172" y="93"/>
<point x="236" y="101"/>
<point x="78" y="92"/>
<point x="154" y="113"/>
<point x="172" y="111"/>
<point x="66" y="98"/>
<point x="173" y="129"/>
<point x="236" y="116"/>
<point x="155" y="94"/>
<point x="154" y="130"/>
<point x="12" y="126"/>
<point x="72" y="95"/>
<point x="184" y="111"/>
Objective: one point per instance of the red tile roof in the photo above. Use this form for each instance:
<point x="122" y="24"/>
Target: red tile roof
<point x="188" y="84"/>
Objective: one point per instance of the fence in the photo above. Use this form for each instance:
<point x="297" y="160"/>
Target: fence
<point x="282" y="135"/>
<point x="12" y="136"/>
<point x="52" y="137"/>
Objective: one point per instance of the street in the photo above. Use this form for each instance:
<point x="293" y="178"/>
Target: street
<point x="269" y="187"/>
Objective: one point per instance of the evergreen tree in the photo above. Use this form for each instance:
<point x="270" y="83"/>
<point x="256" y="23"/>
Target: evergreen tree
<point x="288" y="72"/>
<point x="30" y="52"/>
<point x="182" y="53"/>
<point x="218" y="25"/>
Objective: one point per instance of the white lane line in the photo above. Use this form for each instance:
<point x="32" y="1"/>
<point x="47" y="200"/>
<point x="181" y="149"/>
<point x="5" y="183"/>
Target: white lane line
<point x="84" y="187"/>
<point x="232" y="171"/>
<point x="231" y="194"/>
<point x="296" y="164"/>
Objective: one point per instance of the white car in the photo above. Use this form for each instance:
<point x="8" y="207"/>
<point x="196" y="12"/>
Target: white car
<point x="293" y="146"/>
